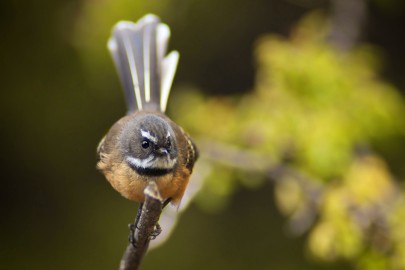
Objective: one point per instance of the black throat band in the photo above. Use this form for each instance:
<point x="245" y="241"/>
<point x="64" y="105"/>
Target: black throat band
<point x="150" y="171"/>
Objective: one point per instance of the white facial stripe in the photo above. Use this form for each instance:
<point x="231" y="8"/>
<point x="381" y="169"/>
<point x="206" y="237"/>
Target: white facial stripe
<point x="147" y="135"/>
<point x="168" y="135"/>
<point x="140" y="163"/>
<point x="152" y="163"/>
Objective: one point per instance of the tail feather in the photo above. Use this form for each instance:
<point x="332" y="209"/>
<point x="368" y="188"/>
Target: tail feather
<point x="138" y="51"/>
<point x="169" y="66"/>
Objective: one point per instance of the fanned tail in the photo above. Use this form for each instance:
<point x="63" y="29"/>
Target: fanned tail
<point x="138" y="50"/>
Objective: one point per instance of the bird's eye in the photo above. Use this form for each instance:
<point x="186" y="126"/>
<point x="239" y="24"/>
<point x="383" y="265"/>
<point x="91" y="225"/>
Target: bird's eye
<point x="145" y="143"/>
<point x="168" y="143"/>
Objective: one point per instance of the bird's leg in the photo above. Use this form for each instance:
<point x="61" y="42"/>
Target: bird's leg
<point x="134" y="226"/>
<point x="158" y="228"/>
<point x="166" y="202"/>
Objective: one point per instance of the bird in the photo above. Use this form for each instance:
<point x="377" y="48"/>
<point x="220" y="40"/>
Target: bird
<point x="146" y="145"/>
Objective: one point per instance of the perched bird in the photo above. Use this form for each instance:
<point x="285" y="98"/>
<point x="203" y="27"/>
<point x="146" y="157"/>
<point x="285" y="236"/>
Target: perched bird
<point x="145" y="145"/>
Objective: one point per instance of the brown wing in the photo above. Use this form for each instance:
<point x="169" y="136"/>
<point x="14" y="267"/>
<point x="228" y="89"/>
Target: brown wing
<point x="192" y="152"/>
<point x="107" y="148"/>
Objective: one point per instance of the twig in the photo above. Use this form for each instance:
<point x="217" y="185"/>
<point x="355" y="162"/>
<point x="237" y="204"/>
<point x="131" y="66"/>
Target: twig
<point x="348" y="19"/>
<point x="249" y="160"/>
<point x="145" y="229"/>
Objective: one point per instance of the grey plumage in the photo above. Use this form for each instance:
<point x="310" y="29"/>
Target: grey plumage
<point x="138" y="51"/>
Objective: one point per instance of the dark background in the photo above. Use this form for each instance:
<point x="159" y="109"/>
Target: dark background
<point x="57" y="211"/>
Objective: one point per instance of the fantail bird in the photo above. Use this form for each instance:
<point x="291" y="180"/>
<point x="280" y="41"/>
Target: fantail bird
<point x="145" y="145"/>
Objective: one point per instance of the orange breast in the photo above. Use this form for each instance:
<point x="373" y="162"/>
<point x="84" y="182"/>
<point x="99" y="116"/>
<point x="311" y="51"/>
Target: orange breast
<point x="131" y="185"/>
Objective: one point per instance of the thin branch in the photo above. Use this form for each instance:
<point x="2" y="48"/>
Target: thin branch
<point x="236" y="157"/>
<point x="243" y="159"/>
<point x="348" y="19"/>
<point x="146" y="228"/>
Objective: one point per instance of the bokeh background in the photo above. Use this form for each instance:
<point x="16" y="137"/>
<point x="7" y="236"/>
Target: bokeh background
<point x="297" y="106"/>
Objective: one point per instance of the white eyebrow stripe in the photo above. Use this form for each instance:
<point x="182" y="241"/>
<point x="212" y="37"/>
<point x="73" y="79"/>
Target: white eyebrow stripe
<point x="168" y="135"/>
<point x="146" y="134"/>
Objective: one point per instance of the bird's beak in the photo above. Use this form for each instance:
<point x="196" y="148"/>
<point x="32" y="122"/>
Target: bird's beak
<point x="162" y="151"/>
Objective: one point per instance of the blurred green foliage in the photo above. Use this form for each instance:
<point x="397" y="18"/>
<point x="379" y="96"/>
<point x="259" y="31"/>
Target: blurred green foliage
<point x="320" y="113"/>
